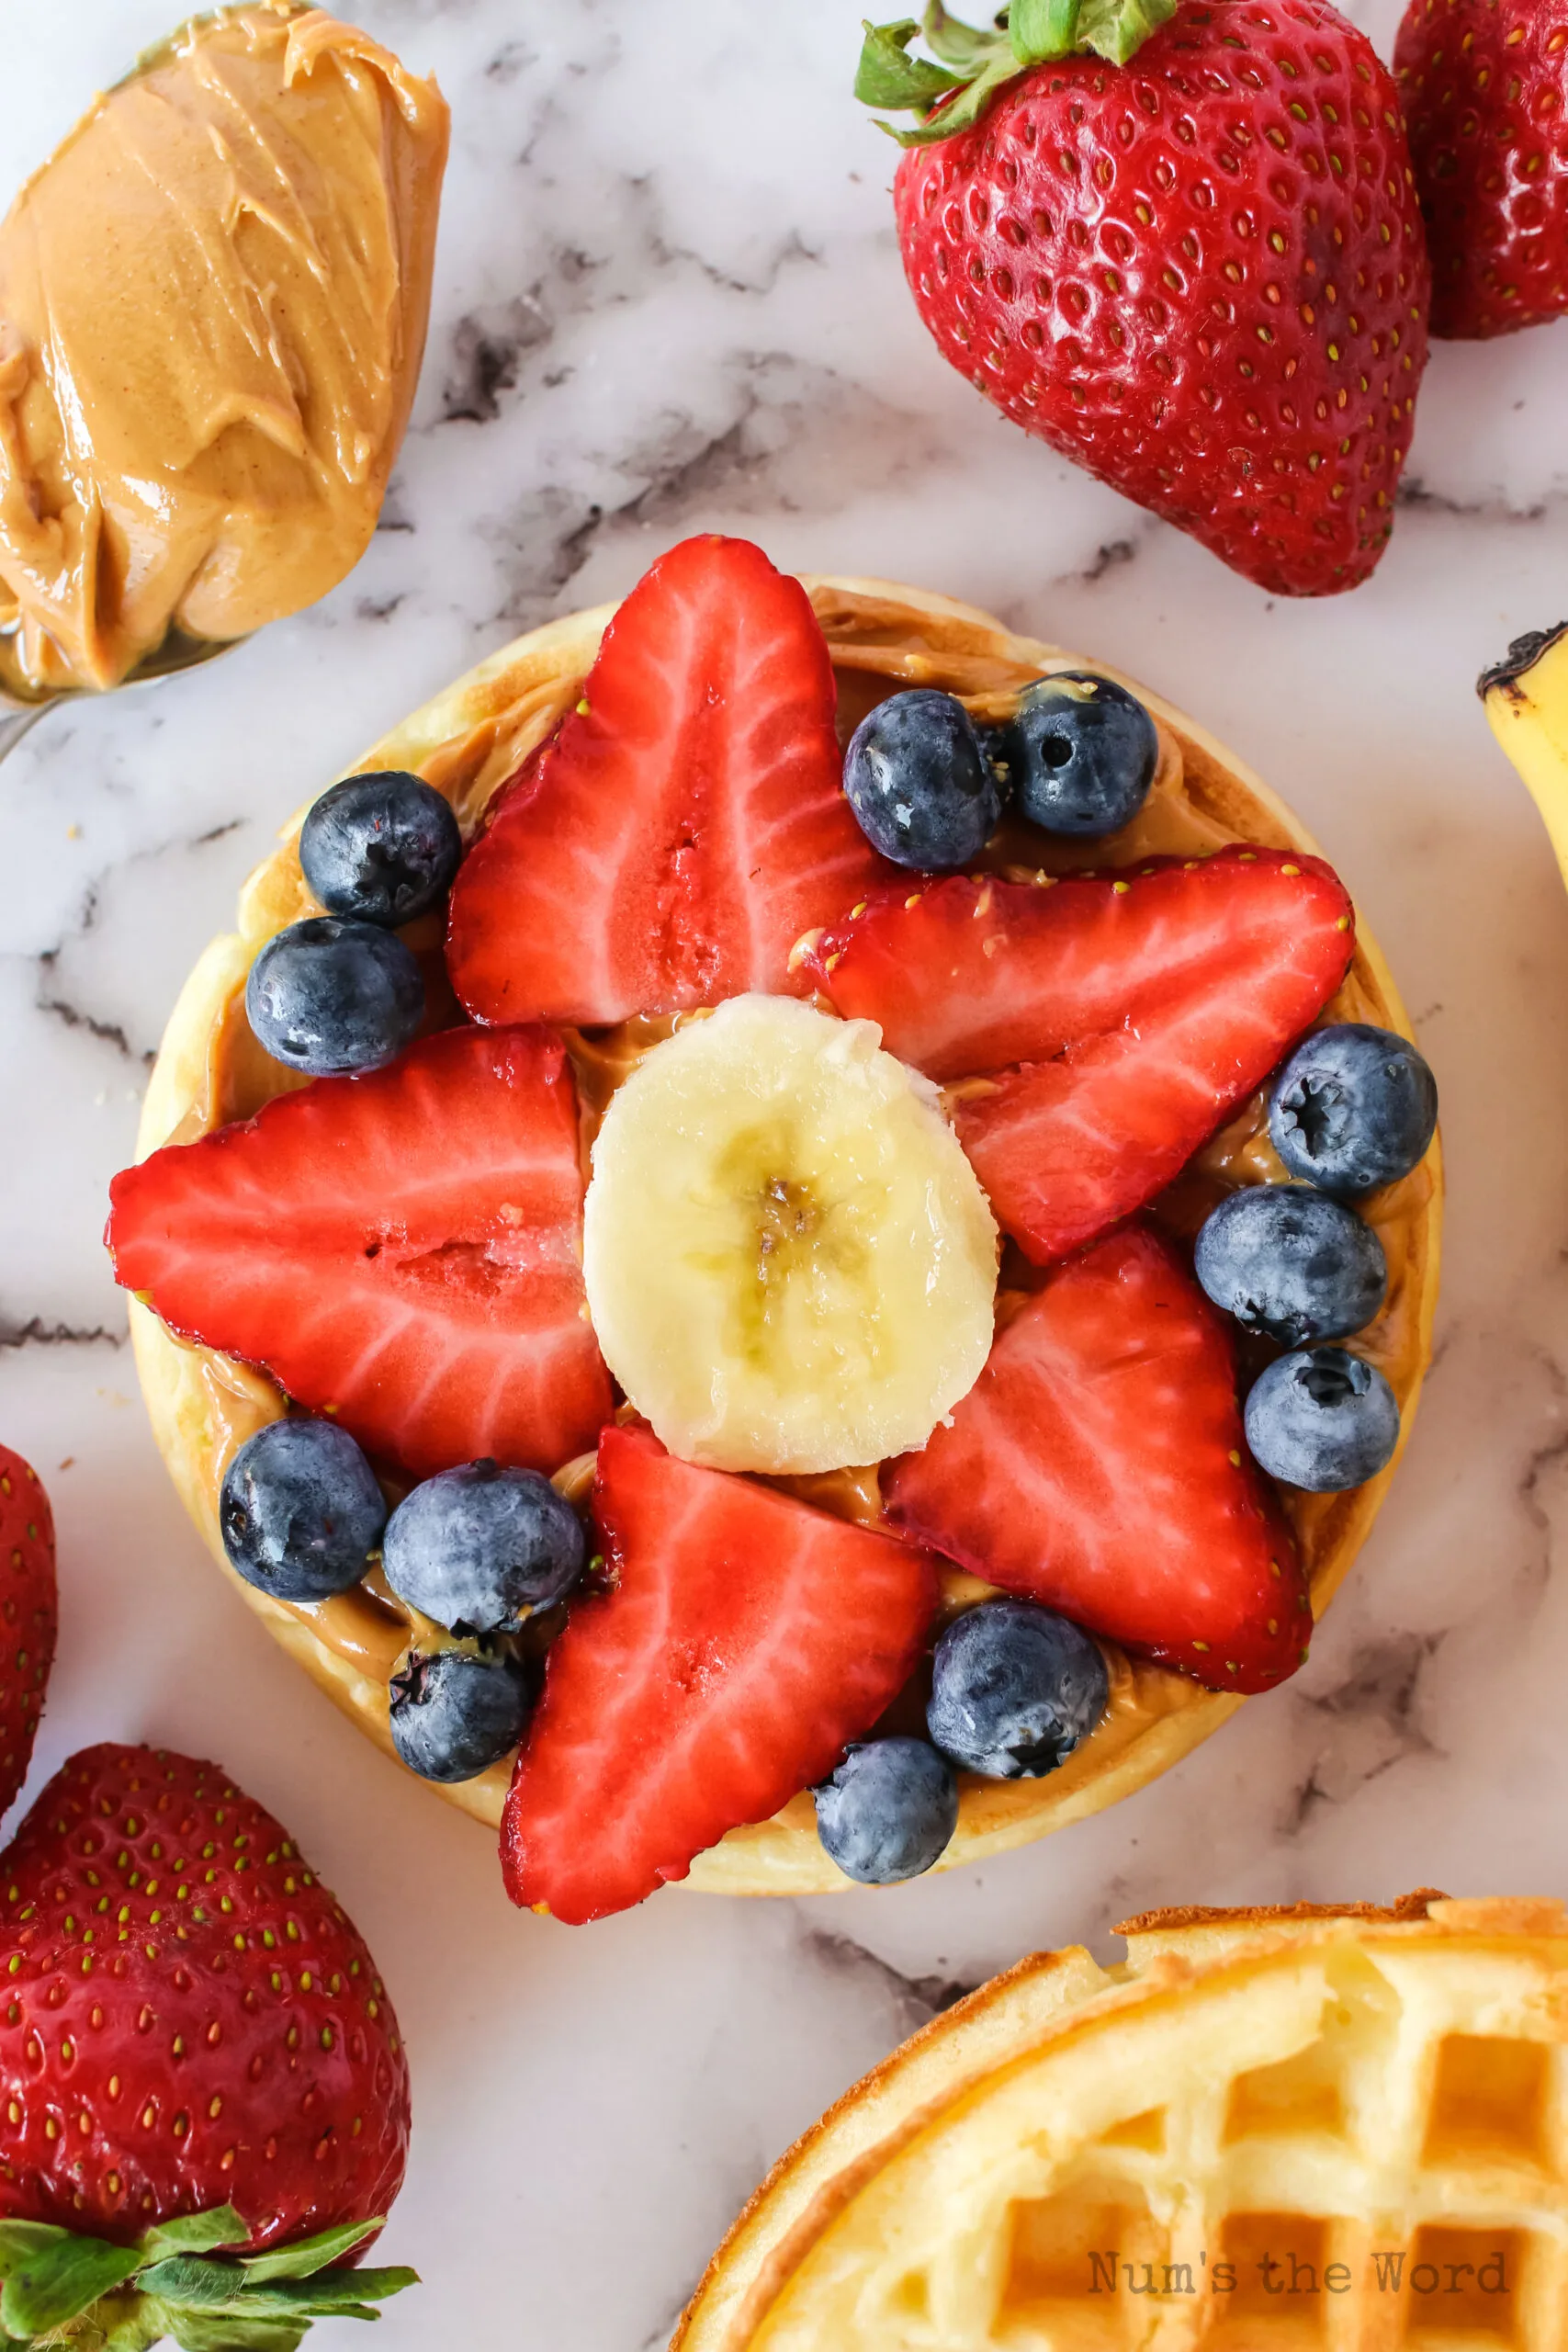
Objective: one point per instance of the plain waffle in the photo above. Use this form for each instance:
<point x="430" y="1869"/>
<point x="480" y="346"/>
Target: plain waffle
<point x="1266" y="2132"/>
<point x="468" y="741"/>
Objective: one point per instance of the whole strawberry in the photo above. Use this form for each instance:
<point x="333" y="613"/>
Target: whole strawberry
<point x="1192" y="261"/>
<point x="29" y="1616"/>
<point x="1485" y="92"/>
<point x="195" y="2053"/>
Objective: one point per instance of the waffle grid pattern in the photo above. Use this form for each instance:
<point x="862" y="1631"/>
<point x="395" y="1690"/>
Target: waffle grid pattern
<point x="1360" y="2146"/>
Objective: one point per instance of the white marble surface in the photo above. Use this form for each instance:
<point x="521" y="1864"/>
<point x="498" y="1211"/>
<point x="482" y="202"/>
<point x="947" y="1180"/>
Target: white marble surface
<point x="669" y="298"/>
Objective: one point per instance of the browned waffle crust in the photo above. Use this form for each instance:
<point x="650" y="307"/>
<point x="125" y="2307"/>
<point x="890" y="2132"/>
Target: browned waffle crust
<point x="1302" y="2126"/>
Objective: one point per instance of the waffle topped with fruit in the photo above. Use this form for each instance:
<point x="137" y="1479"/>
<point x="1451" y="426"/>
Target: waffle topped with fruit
<point x="793" y="1243"/>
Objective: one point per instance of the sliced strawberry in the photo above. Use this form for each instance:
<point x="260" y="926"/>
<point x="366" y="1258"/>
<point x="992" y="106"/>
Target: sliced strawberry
<point x="1098" y="1466"/>
<point x="400" y="1249"/>
<point x="1123" y="1018"/>
<point x="687" y="823"/>
<point x="745" y="1639"/>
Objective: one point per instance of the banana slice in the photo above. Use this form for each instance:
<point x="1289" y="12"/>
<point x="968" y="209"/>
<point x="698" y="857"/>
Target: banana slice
<point x="790" y="1263"/>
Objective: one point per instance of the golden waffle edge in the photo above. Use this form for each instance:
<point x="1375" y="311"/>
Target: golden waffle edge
<point x="1268" y="2130"/>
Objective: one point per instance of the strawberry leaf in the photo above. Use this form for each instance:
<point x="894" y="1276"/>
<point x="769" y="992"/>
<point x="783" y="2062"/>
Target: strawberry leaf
<point x="20" y="2239"/>
<point x="130" y="2323"/>
<point x="197" y="2233"/>
<point x="888" y="76"/>
<point x="1041" y="30"/>
<point x="200" y="2331"/>
<point x="1115" y="30"/>
<point x="126" y="2298"/>
<point x="189" y="2284"/>
<point x="961" y="113"/>
<point x="957" y="43"/>
<point x="310" y="2254"/>
<point x="346" y="2293"/>
<point x="57" y="2282"/>
<point x="1031" y="33"/>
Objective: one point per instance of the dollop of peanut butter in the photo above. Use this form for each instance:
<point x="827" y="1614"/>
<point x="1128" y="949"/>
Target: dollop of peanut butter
<point x="213" y="303"/>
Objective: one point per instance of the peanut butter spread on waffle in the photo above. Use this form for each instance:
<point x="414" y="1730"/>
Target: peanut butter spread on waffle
<point x="468" y="743"/>
<point x="213" y="301"/>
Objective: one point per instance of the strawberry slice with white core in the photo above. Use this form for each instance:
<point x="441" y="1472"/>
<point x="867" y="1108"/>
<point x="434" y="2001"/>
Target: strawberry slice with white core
<point x="1098" y="1466"/>
<point x="685" y="825"/>
<point x="400" y="1249"/>
<point x="1111" y="1023"/>
<point x="745" y="1640"/>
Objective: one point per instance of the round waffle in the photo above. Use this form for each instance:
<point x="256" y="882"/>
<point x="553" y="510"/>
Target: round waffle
<point x="469" y="742"/>
<point x="1302" y="2127"/>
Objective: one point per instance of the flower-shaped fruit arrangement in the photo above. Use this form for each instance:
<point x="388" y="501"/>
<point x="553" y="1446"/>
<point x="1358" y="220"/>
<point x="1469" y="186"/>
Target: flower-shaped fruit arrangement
<point x="727" y="1328"/>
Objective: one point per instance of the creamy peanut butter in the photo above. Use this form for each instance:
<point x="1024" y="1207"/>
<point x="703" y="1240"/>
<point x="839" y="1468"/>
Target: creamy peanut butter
<point x="213" y="303"/>
<point x="467" y="743"/>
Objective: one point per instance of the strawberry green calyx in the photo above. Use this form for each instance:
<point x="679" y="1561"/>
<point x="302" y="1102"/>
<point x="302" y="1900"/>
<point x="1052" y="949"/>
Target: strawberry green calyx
<point x="975" y="65"/>
<point x="59" y="2289"/>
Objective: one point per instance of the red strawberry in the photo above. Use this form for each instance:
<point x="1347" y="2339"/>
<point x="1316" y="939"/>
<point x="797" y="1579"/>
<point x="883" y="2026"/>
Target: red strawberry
<point x="400" y="1249"/>
<point x="29" y="1616"/>
<point x="1123" y="1017"/>
<point x="1201" y="274"/>
<point x="685" y="825"/>
<point x="190" y="2025"/>
<point x="745" y="1640"/>
<point x="1098" y="1465"/>
<point x="1485" y="92"/>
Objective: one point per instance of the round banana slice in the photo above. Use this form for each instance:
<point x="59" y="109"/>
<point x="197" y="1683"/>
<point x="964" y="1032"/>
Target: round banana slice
<point x="790" y="1263"/>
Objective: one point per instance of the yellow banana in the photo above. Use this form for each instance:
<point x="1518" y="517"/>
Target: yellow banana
<point x="789" y="1261"/>
<point x="1527" y="701"/>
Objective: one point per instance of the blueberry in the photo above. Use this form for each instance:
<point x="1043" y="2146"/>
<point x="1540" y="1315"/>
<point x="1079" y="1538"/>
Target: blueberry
<point x="383" y="846"/>
<point x="1291" y="1263"/>
<point x="1081" y="754"/>
<point x="888" y="1811"/>
<point x="920" y="782"/>
<point x="330" y="995"/>
<point x="480" y="1548"/>
<point x="1353" y="1108"/>
<point x="300" y="1510"/>
<point x="1322" y="1420"/>
<point x="1014" y="1689"/>
<point x="453" y="1714"/>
